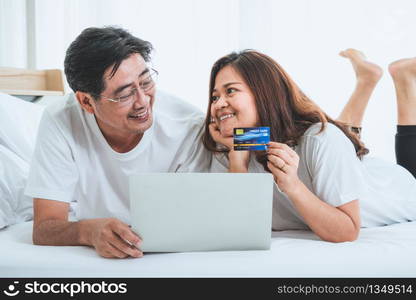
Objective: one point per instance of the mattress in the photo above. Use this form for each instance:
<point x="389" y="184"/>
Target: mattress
<point x="387" y="251"/>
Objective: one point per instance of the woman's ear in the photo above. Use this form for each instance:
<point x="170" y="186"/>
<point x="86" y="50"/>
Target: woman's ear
<point x="86" y="101"/>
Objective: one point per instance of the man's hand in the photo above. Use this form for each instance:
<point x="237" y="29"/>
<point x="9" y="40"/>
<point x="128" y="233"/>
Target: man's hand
<point x="111" y="238"/>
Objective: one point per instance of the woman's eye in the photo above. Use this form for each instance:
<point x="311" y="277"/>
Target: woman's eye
<point x="214" y="98"/>
<point x="231" y="90"/>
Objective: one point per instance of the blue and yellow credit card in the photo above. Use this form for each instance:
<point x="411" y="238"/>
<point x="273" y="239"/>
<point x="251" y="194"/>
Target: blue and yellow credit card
<point x="251" y="138"/>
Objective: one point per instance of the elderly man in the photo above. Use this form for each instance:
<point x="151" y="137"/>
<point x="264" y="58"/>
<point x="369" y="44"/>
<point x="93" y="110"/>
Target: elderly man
<point x="88" y="145"/>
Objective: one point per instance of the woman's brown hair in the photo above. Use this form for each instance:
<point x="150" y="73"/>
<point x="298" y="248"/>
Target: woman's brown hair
<point x="281" y="105"/>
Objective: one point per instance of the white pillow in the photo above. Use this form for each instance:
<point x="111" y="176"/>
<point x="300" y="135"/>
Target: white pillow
<point x="15" y="207"/>
<point x="19" y="122"/>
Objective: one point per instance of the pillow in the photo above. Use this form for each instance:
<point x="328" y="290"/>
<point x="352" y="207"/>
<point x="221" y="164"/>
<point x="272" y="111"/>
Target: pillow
<point x="19" y="122"/>
<point x="15" y="207"/>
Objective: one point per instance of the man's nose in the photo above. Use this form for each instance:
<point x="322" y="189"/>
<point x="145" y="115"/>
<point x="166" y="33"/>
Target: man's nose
<point x="141" y="99"/>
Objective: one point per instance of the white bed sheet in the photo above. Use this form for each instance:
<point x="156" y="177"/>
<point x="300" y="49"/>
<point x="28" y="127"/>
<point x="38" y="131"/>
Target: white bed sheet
<point x="388" y="251"/>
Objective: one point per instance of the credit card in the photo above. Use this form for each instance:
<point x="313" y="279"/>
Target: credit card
<point x="251" y="138"/>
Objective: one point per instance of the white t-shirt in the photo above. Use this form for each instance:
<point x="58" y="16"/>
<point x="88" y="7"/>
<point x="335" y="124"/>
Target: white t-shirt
<point x="329" y="167"/>
<point x="72" y="160"/>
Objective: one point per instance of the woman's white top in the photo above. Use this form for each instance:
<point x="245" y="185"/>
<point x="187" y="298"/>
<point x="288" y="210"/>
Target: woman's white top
<point x="330" y="168"/>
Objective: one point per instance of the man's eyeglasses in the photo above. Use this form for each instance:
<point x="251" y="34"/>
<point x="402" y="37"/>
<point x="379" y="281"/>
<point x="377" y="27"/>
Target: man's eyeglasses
<point x="147" y="84"/>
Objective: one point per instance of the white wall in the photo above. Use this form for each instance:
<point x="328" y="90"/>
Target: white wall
<point x="188" y="35"/>
<point x="304" y="36"/>
<point x="13" y="33"/>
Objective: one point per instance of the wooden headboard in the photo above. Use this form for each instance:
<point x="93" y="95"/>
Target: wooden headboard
<point x="15" y="81"/>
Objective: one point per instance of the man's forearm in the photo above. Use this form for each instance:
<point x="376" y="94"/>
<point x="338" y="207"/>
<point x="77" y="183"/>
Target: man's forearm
<point x="60" y="233"/>
<point x="110" y="237"/>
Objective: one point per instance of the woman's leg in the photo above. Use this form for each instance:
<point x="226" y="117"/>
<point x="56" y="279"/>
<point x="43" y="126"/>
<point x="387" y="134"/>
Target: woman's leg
<point x="368" y="74"/>
<point x="403" y="73"/>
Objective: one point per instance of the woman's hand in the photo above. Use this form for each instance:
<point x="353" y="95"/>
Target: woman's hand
<point x="217" y="137"/>
<point x="238" y="160"/>
<point x="283" y="162"/>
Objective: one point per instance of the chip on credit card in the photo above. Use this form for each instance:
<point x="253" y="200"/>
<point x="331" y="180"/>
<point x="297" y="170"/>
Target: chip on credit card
<point x="251" y="138"/>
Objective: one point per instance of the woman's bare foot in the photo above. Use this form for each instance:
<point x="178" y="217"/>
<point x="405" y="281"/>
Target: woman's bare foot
<point x="365" y="71"/>
<point x="403" y="72"/>
<point x="403" y="69"/>
<point x="368" y="74"/>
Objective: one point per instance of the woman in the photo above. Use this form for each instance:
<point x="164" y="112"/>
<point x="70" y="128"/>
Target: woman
<point x="323" y="181"/>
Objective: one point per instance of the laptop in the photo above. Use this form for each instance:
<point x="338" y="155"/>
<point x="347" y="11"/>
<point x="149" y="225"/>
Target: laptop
<point x="180" y="212"/>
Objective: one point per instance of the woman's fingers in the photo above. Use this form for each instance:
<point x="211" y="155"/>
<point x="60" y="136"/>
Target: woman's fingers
<point x="277" y="173"/>
<point x="217" y="137"/>
<point x="276" y="145"/>
<point x="213" y="130"/>
<point x="213" y="126"/>
<point x="277" y="161"/>
<point x="282" y="154"/>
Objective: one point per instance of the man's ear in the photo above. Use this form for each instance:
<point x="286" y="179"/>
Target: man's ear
<point x="86" y="101"/>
